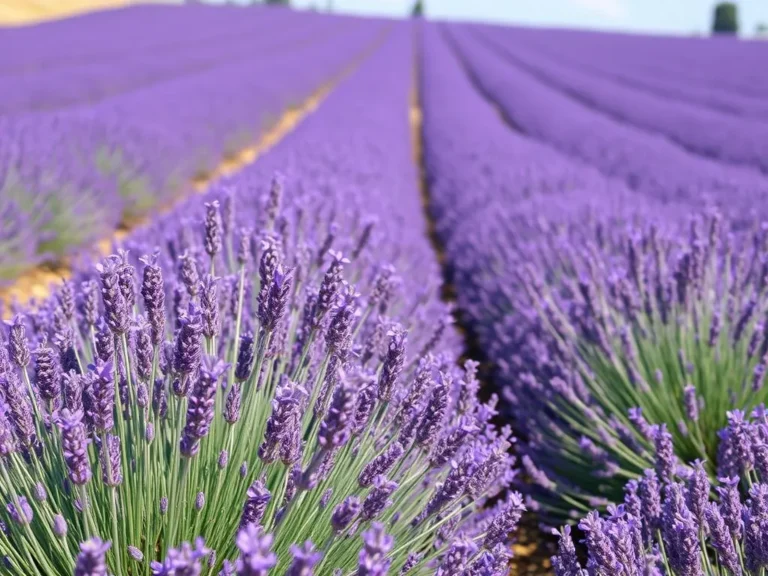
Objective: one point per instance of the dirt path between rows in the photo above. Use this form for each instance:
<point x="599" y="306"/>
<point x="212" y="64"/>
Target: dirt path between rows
<point x="36" y="284"/>
<point x="532" y="550"/>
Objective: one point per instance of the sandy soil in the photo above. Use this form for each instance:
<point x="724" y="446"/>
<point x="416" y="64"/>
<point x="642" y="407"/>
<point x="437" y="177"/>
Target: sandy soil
<point x="20" y="12"/>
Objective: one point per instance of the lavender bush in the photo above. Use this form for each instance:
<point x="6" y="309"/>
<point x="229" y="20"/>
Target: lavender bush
<point x="235" y="377"/>
<point x="684" y="523"/>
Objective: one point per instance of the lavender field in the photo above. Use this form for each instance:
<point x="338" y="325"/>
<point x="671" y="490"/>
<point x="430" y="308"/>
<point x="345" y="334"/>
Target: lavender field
<point x="300" y="294"/>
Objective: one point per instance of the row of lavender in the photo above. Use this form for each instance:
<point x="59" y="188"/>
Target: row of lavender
<point x="98" y="55"/>
<point x="234" y="379"/>
<point x="70" y="176"/>
<point x="710" y="133"/>
<point x="626" y="328"/>
<point x="649" y="163"/>
<point x="720" y="74"/>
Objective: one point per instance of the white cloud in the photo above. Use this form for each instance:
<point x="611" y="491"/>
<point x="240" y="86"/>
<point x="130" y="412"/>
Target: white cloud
<point x="614" y="9"/>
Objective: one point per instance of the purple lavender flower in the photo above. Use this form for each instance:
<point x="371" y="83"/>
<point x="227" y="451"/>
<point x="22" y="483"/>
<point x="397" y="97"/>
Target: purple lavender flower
<point x="305" y="558"/>
<point x="75" y="446"/>
<point x="337" y="337"/>
<point x="378" y="498"/>
<point x="565" y="562"/>
<point x="200" y="406"/>
<point x="257" y="499"/>
<point x="273" y="299"/>
<point x="18" y="343"/>
<point x="213" y="225"/>
<point x="91" y="561"/>
<point x="434" y="414"/>
<point x="102" y="397"/>
<point x="373" y="559"/>
<point x="602" y="556"/>
<point x="393" y="363"/>
<point x="691" y="403"/>
<point x="189" y="274"/>
<point x="144" y="350"/>
<point x="285" y="417"/>
<point x="232" y="404"/>
<point x="244" y="357"/>
<point x="7" y="441"/>
<point x="721" y="539"/>
<point x="135" y="553"/>
<point x="380" y="465"/>
<point x="329" y="288"/>
<point x="59" y="526"/>
<point x="153" y="292"/>
<point x="256" y="558"/>
<point x="344" y="513"/>
<point x="730" y="505"/>
<point x="209" y="303"/>
<point x="665" y="454"/>
<point x="90" y="305"/>
<point x="48" y="372"/>
<point x="188" y="350"/>
<point x="116" y="309"/>
<point x="186" y="560"/>
<point x="23" y="513"/>
<point x="335" y="428"/>
<point x="111" y="467"/>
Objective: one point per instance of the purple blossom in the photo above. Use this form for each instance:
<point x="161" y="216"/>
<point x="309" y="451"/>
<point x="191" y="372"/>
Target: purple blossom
<point x="91" y="561"/>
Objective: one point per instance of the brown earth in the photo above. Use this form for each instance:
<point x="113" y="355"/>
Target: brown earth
<point x="22" y="12"/>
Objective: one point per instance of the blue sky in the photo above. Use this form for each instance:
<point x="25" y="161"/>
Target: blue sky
<point x="667" y="16"/>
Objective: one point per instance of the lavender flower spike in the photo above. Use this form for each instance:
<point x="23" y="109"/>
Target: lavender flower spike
<point x="373" y="559"/>
<point x="305" y="557"/>
<point x="91" y="559"/>
<point x="256" y="558"/>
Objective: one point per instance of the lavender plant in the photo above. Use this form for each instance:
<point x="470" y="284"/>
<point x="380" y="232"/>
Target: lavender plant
<point x="638" y="329"/>
<point x="677" y="521"/>
<point x="245" y="417"/>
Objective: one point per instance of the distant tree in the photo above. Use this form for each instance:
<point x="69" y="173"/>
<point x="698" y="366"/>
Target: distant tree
<point x="761" y="30"/>
<point x="726" y="19"/>
<point x="278" y="2"/>
<point x="418" y="9"/>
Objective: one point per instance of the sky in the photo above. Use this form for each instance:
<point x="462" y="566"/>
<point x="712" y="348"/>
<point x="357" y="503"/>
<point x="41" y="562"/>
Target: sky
<point x="661" y="16"/>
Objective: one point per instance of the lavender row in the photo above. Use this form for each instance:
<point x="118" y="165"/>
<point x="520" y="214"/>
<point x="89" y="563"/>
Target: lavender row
<point x="721" y="137"/>
<point x="649" y="163"/>
<point x="635" y="63"/>
<point x="69" y="178"/>
<point x="716" y="65"/>
<point x="507" y="207"/>
<point x="104" y="35"/>
<point x="339" y="438"/>
<point x="198" y="40"/>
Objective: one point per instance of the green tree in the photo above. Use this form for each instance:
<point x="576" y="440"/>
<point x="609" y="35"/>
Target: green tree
<point x="278" y="2"/>
<point x="418" y="9"/>
<point x="761" y="30"/>
<point x="726" y="19"/>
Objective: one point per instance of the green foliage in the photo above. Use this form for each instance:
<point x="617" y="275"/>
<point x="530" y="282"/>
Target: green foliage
<point x="726" y="19"/>
<point x="674" y="328"/>
<point x="418" y="9"/>
<point x="135" y="189"/>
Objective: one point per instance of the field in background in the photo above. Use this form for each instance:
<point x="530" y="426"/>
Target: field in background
<point x="20" y="12"/>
